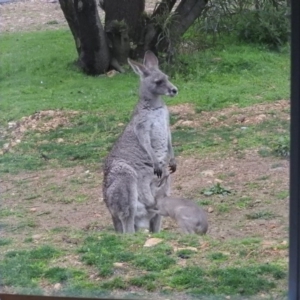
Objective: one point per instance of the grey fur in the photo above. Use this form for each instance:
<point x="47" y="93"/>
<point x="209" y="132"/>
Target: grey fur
<point x="188" y="215"/>
<point x="141" y="155"/>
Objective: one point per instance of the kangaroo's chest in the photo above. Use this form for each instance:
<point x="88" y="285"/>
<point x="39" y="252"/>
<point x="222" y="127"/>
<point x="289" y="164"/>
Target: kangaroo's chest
<point x="159" y="129"/>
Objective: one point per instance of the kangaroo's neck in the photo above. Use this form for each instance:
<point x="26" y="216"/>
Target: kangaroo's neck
<point x="149" y="100"/>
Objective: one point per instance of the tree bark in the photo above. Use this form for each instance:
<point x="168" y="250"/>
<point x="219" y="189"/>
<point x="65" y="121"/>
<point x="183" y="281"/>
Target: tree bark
<point x="90" y="40"/>
<point x="185" y="15"/>
<point x="123" y="26"/>
<point x="68" y="9"/>
<point x="94" y="57"/>
<point x="125" y="23"/>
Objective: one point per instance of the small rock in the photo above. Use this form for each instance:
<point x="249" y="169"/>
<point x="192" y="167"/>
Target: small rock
<point x="60" y="140"/>
<point x="213" y="120"/>
<point x="152" y="242"/>
<point x="57" y="286"/>
<point x="33" y="209"/>
<point x="244" y="128"/>
<point x="186" y="248"/>
<point x="210" y="210"/>
<point x="87" y="172"/>
<point x="121" y="124"/>
<point x="12" y="125"/>
<point x="208" y="173"/>
<point x="18" y="141"/>
<point x="36" y="236"/>
<point x="118" y="265"/>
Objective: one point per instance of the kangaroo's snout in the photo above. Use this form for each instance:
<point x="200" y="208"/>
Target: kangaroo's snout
<point x="172" y="92"/>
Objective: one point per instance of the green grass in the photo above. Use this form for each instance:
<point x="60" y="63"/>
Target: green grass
<point x="260" y="215"/>
<point x="105" y="251"/>
<point x="41" y="66"/>
<point x="24" y="268"/>
<point x="152" y="269"/>
<point x="160" y="270"/>
<point x="5" y="241"/>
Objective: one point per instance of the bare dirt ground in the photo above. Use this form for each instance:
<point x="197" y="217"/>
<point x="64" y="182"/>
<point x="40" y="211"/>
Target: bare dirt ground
<point x="31" y="15"/>
<point x="71" y="197"/>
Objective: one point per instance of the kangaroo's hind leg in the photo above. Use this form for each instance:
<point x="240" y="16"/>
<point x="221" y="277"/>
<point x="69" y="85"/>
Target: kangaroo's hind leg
<point x="117" y="224"/>
<point x="121" y="197"/>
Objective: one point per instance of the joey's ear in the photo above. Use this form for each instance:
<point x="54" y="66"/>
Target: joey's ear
<point x="138" y="68"/>
<point x="150" y="60"/>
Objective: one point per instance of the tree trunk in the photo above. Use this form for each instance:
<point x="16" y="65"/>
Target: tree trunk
<point x="68" y="9"/>
<point x="185" y="15"/>
<point x="84" y="22"/>
<point x="123" y="25"/>
<point x="94" y="57"/>
<point x="163" y="40"/>
<point x="128" y="31"/>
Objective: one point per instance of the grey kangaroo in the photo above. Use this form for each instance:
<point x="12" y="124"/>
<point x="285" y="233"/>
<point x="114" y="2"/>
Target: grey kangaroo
<point x="142" y="154"/>
<point x="188" y="215"/>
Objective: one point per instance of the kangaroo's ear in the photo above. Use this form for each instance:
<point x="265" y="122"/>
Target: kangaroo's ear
<point x="150" y="60"/>
<point x="138" y="68"/>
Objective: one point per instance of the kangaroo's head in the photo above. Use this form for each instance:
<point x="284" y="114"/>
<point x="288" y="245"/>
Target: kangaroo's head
<point x="153" y="81"/>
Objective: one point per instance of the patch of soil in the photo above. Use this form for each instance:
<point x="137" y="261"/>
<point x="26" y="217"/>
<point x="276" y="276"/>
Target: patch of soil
<point x="72" y="197"/>
<point x="31" y="15"/>
<point x="250" y="115"/>
<point x="35" y="15"/>
<point x="254" y="177"/>
<point x="42" y="121"/>
<point x="182" y="110"/>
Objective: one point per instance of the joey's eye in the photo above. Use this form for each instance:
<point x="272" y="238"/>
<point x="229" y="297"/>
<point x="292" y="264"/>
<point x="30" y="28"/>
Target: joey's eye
<point x="159" y="81"/>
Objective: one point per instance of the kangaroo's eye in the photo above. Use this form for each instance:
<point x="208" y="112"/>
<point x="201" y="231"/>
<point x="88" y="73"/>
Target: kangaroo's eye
<point x="159" y="82"/>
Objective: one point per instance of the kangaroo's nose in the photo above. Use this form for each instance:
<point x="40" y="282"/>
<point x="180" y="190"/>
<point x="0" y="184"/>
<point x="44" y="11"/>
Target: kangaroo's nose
<point x="174" y="91"/>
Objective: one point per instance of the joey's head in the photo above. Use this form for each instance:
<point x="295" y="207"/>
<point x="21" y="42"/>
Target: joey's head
<point x="154" y="82"/>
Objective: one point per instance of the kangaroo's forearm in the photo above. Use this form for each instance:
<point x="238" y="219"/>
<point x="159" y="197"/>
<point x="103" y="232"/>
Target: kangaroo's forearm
<point x="144" y="140"/>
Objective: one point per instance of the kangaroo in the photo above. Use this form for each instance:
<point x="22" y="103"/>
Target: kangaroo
<point x="142" y="154"/>
<point x="187" y="214"/>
